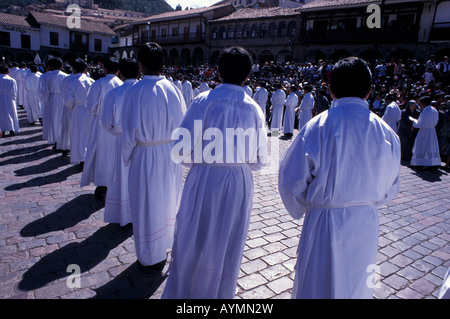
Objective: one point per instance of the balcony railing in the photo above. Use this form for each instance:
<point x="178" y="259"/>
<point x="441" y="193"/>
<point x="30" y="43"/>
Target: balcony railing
<point x="171" y="39"/>
<point x="440" y="32"/>
<point x="79" y="46"/>
<point x="363" y="35"/>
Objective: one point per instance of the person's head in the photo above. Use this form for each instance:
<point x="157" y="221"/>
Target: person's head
<point x="128" y="69"/>
<point x="150" y="59"/>
<point x="55" y="63"/>
<point x="307" y="89"/>
<point x="389" y="98"/>
<point x="425" y="101"/>
<point x="33" y="68"/>
<point x="412" y="105"/>
<point x="79" y="66"/>
<point x="4" y="68"/>
<point x="111" y="66"/>
<point x="15" y="64"/>
<point x="234" y="66"/>
<point x="350" y="77"/>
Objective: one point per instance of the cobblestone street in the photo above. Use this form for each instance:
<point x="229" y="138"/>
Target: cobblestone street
<point x="48" y="222"/>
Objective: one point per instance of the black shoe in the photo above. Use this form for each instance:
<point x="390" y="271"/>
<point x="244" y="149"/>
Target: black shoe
<point x="65" y="153"/>
<point x="12" y="133"/>
<point x="82" y="165"/>
<point x="100" y="192"/>
<point x="155" y="267"/>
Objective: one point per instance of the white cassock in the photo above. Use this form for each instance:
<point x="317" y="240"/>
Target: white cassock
<point x="66" y="131"/>
<point x="44" y="91"/>
<point x="154" y="108"/>
<point x="341" y="165"/>
<point x="75" y="92"/>
<point x="305" y="110"/>
<point x="56" y="107"/>
<point x="20" y="86"/>
<point x="196" y="92"/>
<point x="426" y="146"/>
<point x="212" y="223"/>
<point x="289" y="113"/>
<point x="32" y="96"/>
<point x="261" y="95"/>
<point x="8" y="107"/>
<point x="278" y="99"/>
<point x="117" y="202"/>
<point x="392" y="115"/>
<point x="203" y="87"/>
<point x="99" y="152"/>
<point x="188" y="94"/>
<point x="178" y="84"/>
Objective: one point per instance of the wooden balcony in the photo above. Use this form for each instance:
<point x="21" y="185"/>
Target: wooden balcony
<point x="171" y="39"/>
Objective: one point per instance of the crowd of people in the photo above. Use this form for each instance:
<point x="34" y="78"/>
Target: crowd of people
<point x="117" y="119"/>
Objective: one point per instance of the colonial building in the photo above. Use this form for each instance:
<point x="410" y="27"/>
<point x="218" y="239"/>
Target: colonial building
<point x="22" y="37"/>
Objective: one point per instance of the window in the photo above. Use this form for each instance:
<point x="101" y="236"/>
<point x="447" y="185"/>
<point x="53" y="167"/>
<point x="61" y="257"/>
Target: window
<point x="163" y="33"/>
<point x="54" y="38"/>
<point x="5" y="38"/>
<point x="246" y="32"/>
<point x="263" y="31"/>
<point x="98" y="45"/>
<point x="282" y="30"/>
<point x="25" y="40"/>
<point x="230" y="32"/>
<point x="238" y="32"/>
<point x="272" y="30"/>
<point x="222" y="33"/>
<point x="291" y="29"/>
<point x="214" y="33"/>
<point x="254" y="31"/>
<point x="174" y="32"/>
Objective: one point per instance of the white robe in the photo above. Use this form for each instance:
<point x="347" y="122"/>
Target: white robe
<point x="426" y="146"/>
<point x="154" y="109"/>
<point x="117" y="202"/>
<point x="188" y="94"/>
<point x="98" y="162"/>
<point x="178" y="84"/>
<point x="341" y="165"/>
<point x="8" y="109"/>
<point x="261" y="95"/>
<point x="75" y="92"/>
<point x="289" y="114"/>
<point x="212" y="223"/>
<point x="56" y="108"/>
<point x="32" y="96"/>
<point x="392" y="115"/>
<point x="278" y="99"/>
<point x="248" y="90"/>
<point x="305" y="110"/>
<point x="203" y="87"/>
<point x="21" y="87"/>
<point x="44" y="91"/>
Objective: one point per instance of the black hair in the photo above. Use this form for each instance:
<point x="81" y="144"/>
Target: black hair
<point x="151" y="57"/>
<point x="4" y="68"/>
<point x="111" y="65"/>
<point x="351" y="77"/>
<point x="55" y="63"/>
<point x="33" y="68"/>
<point x="308" y="88"/>
<point x="79" y="65"/>
<point x="425" y="100"/>
<point x="129" y="68"/>
<point x="234" y="65"/>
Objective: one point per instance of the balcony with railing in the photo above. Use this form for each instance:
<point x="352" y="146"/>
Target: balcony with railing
<point x="170" y="39"/>
<point x="440" y="32"/>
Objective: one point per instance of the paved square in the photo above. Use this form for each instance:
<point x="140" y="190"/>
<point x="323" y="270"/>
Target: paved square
<point x="47" y="222"/>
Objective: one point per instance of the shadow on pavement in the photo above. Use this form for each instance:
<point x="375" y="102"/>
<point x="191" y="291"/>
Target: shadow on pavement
<point x="433" y="175"/>
<point x="44" y="167"/>
<point x="135" y="282"/>
<point x="86" y="254"/>
<point x="33" y="139"/>
<point x="68" y="215"/>
<point x="57" y="177"/>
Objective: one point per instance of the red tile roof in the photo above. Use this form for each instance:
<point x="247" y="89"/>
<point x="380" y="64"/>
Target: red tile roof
<point x="258" y="13"/>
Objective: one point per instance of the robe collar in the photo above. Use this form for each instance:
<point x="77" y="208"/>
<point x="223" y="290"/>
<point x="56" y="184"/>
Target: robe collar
<point x="232" y="86"/>
<point x="350" y="100"/>
<point x="154" y="77"/>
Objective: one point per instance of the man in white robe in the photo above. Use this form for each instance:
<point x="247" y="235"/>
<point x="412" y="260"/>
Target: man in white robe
<point x="60" y="117"/>
<point x="212" y="223"/>
<point x="44" y="92"/>
<point x="203" y="86"/>
<point x="426" y="146"/>
<point x="343" y="163"/>
<point x="117" y="202"/>
<point x="289" y="113"/>
<point x="154" y="108"/>
<point x="31" y="83"/>
<point x="8" y="96"/>
<point x="261" y="95"/>
<point x="75" y="92"/>
<point x="278" y="98"/>
<point x="99" y="152"/>
<point x="20" y="84"/>
<point x="392" y="113"/>
<point x="188" y="93"/>
<point x="306" y="107"/>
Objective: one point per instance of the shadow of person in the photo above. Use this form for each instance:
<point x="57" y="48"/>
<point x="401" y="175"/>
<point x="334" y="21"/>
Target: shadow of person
<point x="86" y="254"/>
<point x="429" y="174"/>
<point x="44" y="167"/>
<point x="68" y="215"/>
<point x="33" y="139"/>
<point x="135" y="282"/>
<point x="57" y="177"/>
<point x="25" y="151"/>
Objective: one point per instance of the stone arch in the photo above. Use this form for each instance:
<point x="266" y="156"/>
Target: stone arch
<point x="185" y="57"/>
<point x="339" y="54"/>
<point x="173" y="57"/>
<point x="198" y="56"/>
<point x="314" y="56"/>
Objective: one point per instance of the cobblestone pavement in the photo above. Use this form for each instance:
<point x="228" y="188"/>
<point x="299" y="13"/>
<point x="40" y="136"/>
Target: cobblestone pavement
<point x="48" y="222"/>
